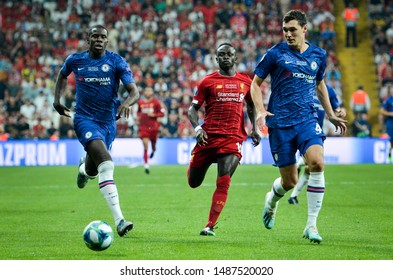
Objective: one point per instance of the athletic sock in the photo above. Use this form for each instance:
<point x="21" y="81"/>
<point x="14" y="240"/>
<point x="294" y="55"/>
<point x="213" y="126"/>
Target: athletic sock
<point x="82" y="170"/>
<point x="145" y="157"/>
<point x="303" y="181"/>
<point x="300" y="162"/>
<point x="109" y="189"/>
<point x="276" y="194"/>
<point x="219" y="199"/>
<point x="315" y="193"/>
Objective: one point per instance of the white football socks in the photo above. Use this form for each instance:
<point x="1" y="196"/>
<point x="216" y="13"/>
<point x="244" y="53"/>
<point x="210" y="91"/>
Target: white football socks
<point x="109" y="189"/>
<point x="303" y="181"/>
<point x="300" y="162"/>
<point x="315" y="193"/>
<point x="82" y="170"/>
<point x="276" y="193"/>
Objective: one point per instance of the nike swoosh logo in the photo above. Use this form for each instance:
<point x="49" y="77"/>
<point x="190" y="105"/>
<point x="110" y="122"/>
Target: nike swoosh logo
<point x="287" y="62"/>
<point x="80" y="68"/>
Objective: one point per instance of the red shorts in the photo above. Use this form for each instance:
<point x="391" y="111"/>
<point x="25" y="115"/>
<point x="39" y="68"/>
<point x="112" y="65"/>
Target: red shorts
<point x="151" y="134"/>
<point x="206" y="155"/>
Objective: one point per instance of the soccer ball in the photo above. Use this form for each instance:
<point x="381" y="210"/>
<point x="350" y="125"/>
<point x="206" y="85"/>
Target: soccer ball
<point x="98" y="235"/>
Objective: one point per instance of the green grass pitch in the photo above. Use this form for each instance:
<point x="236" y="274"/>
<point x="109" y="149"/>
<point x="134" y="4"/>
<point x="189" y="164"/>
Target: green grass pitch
<point x="43" y="214"/>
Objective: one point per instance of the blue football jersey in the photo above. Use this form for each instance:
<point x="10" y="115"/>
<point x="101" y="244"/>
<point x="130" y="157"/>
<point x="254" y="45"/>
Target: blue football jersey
<point x="97" y="84"/>
<point x="333" y="102"/>
<point x="293" y="83"/>
<point x="388" y="106"/>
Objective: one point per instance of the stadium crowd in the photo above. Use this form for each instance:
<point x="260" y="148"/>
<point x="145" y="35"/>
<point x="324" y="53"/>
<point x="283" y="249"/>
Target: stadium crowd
<point x="170" y="45"/>
<point x="381" y="19"/>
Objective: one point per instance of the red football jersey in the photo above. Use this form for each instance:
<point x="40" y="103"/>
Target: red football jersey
<point x="224" y="99"/>
<point x="145" y="107"/>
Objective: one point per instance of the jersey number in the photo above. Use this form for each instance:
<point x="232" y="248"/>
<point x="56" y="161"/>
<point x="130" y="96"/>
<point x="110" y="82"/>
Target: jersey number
<point x="318" y="129"/>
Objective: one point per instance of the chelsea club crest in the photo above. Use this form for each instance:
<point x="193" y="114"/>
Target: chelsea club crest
<point x="105" y="68"/>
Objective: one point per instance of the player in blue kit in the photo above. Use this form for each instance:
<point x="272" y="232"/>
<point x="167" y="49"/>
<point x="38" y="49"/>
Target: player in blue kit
<point x="387" y="112"/>
<point x="296" y="69"/>
<point x="98" y="73"/>
<point x="340" y="112"/>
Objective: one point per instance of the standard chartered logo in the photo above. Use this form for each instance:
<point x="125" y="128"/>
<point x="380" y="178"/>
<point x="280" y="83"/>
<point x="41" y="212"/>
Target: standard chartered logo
<point x="230" y="96"/>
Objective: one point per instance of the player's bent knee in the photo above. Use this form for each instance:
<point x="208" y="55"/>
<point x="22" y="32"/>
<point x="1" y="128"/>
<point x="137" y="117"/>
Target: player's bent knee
<point x="193" y="184"/>
<point x="316" y="166"/>
<point x="106" y="170"/>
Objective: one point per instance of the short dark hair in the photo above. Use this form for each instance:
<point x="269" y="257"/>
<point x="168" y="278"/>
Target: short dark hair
<point x="95" y="26"/>
<point x="225" y="44"/>
<point x="298" y="15"/>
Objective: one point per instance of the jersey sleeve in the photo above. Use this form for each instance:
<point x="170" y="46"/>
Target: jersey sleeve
<point x="124" y="70"/>
<point x="158" y="111"/>
<point x="66" y="69"/>
<point x="322" y="68"/>
<point x="265" y="65"/>
<point x="247" y="83"/>
<point x="333" y="98"/>
<point x="200" y="93"/>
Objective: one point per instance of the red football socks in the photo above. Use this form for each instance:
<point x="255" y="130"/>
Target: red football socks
<point x="219" y="198"/>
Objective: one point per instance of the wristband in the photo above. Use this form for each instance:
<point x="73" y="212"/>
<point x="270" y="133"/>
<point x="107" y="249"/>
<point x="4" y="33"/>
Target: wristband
<point x="198" y="128"/>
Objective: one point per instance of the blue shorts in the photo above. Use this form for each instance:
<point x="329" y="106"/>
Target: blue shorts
<point x="284" y="142"/>
<point x="88" y="130"/>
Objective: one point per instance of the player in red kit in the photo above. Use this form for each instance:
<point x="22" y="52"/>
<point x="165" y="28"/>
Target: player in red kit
<point x="220" y="137"/>
<point x="149" y="110"/>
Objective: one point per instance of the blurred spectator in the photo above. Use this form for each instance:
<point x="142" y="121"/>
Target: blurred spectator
<point x="360" y="126"/>
<point x="11" y="126"/>
<point x="185" y="129"/>
<point x="13" y="105"/>
<point x="385" y="91"/>
<point x="54" y="136"/>
<point x="51" y="130"/>
<point x="389" y="34"/>
<point x="39" y="130"/>
<point x="23" y="128"/>
<point x="328" y="34"/>
<point x="28" y="109"/>
<point x="360" y="101"/>
<point x="3" y="91"/>
<point x="210" y="60"/>
<point x="169" y="130"/>
<point x="166" y="43"/>
<point x="351" y="16"/>
<point x="39" y="100"/>
<point x="375" y="8"/>
<point x="66" y="128"/>
<point x="4" y="136"/>
<point x="124" y="128"/>
<point x="198" y="73"/>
